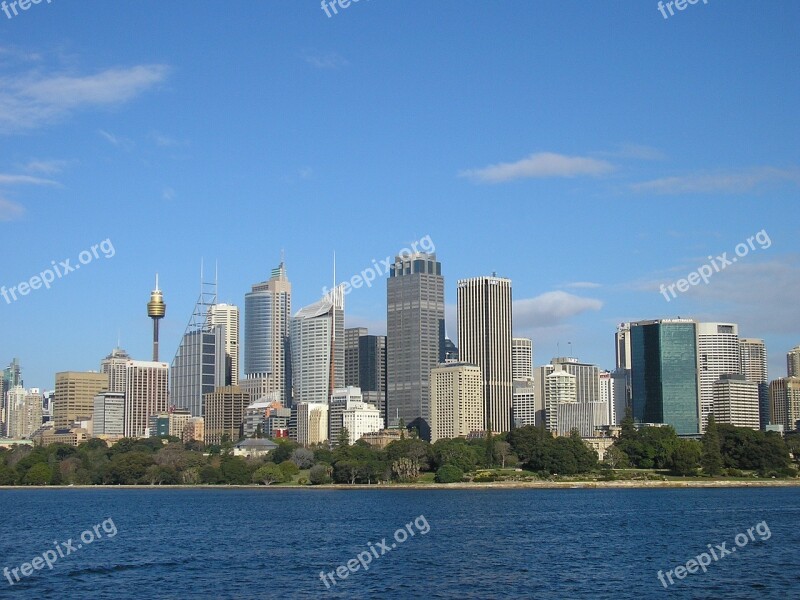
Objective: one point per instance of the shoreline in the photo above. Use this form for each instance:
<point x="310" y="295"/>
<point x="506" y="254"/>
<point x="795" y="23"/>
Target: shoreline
<point x="495" y="485"/>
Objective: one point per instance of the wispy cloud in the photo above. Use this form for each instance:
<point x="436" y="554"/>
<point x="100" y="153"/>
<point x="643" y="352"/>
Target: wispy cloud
<point x="7" y="179"/>
<point x="331" y="60"/>
<point x="730" y="182"/>
<point x="34" y="99"/>
<point x="47" y="167"/>
<point x="165" y="141"/>
<point x="10" y="211"/>
<point x="116" y="140"/>
<point x="635" y="152"/>
<point x="540" y="166"/>
<point x="551" y="309"/>
<point x="586" y="285"/>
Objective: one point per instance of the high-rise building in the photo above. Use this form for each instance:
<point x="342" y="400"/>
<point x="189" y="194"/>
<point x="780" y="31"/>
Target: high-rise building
<point x="793" y="362"/>
<point x="484" y="338"/>
<point x="114" y="367"/>
<point x="784" y="397"/>
<point x="194" y="430"/>
<point x="415" y="337"/>
<point x="365" y="365"/>
<point x="200" y="365"/>
<point x="622" y="373"/>
<point x="718" y="353"/>
<point x="521" y="358"/>
<point x="267" y="316"/>
<point x="146" y="394"/>
<point x="587" y="377"/>
<point x="456" y="405"/>
<point x="224" y="413"/>
<point x="622" y="345"/>
<point x="341" y="399"/>
<point x="23" y="411"/>
<point x="12" y="377"/>
<point x="753" y="355"/>
<point x="359" y="419"/>
<point x="312" y="423"/>
<point x="109" y="415"/>
<point x="665" y="386"/>
<point x="560" y="387"/>
<point x="736" y="402"/>
<point x="227" y="315"/>
<point x="583" y="417"/>
<point x="317" y="349"/>
<point x="74" y="396"/>
<point x="523" y="402"/>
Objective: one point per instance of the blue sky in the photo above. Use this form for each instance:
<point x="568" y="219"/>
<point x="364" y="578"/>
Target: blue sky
<point x="588" y="151"/>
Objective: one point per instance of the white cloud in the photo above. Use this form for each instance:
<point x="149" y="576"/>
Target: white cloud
<point x="32" y="100"/>
<point x="541" y="165"/>
<point x="585" y="285"/>
<point x="48" y="167"/>
<point x="331" y="60"/>
<point x="731" y="182"/>
<point x="6" y="179"/>
<point x="550" y="309"/>
<point x="115" y="140"/>
<point x="10" y="211"/>
<point x="636" y="152"/>
<point x="165" y="141"/>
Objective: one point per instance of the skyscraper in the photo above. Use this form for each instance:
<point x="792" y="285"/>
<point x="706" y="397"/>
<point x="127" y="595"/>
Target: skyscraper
<point x="521" y="358"/>
<point x="484" y="339"/>
<point x="24" y="411"/>
<point x="146" y="394"/>
<point x="456" y="401"/>
<point x="753" y="355"/>
<point x="267" y="314"/>
<point x="317" y="349"/>
<point x="784" y="396"/>
<point x="74" y="396"/>
<point x="200" y="364"/>
<point x="665" y="385"/>
<point x="415" y="336"/>
<point x="736" y="402"/>
<point x="227" y="315"/>
<point x="365" y="365"/>
<point x="793" y="362"/>
<point x="718" y="353"/>
<point x="114" y="367"/>
<point x="225" y="410"/>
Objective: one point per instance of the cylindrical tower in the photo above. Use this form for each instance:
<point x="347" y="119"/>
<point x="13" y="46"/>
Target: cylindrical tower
<point x="156" y="309"/>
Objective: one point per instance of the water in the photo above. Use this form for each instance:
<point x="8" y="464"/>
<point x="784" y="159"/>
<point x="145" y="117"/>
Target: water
<point x="272" y="543"/>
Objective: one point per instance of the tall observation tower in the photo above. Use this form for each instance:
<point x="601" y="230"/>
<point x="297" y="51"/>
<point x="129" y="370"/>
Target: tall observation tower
<point x="156" y="309"/>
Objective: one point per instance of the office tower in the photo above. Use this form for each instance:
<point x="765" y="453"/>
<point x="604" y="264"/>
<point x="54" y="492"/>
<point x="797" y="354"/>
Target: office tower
<point x="365" y="365"/>
<point x="450" y="351"/>
<point x="793" y="362"/>
<point x="457" y="404"/>
<point x="12" y="377"/>
<point x="521" y="358"/>
<point x="583" y="417"/>
<point x="523" y="402"/>
<point x="156" y="310"/>
<point x="587" y="377"/>
<point x="146" y="394"/>
<point x="622" y="345"/>
<point x="607" y="395"/>
<point x="114" y="367"/>
<point x="23" y="412"/>
<point x="317" y="349"/>
<point x="753" y="355"/>
<point x="224" y="411"/>
<point x="200" y="364"/>
<point x="227" y="315"/>
<point x="178" y="418"/>
<point x="784" y="397"/>
<point x="621" y="395"/>
<point x="194" y="431"/>
<point x="74" y="396"/>
<point x="109" y="414"/>
<point x="267" y="315"/>
<point x="341" y="399"/>
<point x="718" y="353"/>
<point x="359" y="419"/>
<point x="559" y="387"/>
<point x="312" y="423"/>
<point x="415" y="337"/>
<point x="665" y="386"/>
<point x="484" y="337"/>
<point x="540" y="382"/>
<point x="736" y="402"/>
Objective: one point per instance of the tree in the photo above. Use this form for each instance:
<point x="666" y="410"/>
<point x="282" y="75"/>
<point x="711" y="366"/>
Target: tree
<point x="128" y="468"/>
<point x="319" y="474"/>
<point x="711" y="458"/>
<point x="303" y="458"/>
<point x="268" y="474"/>
<point x="415" y="449"/>
<point x="502" y="452"/>
<point x="343" y="440"/>
<point x="616" y="458"/>
<point x="449" y="474"/>
<point x="489" y="448"/>
<point x="38" y="474"/>
<point x="289" y="469"/>
<point x="283" y="451"/>
<point x="685" y="457"/>
<point x="235" y="470"/>
<point x="456" y="452"/>
<point x="405" y="469"/>
<point x="346" y="471"/>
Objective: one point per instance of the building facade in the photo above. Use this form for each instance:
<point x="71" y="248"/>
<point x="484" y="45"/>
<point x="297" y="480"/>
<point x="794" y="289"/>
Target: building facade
<point x="74" y="396"/>
<point x="147" y="392"/>
<point x="736" y="402"/>
<point x="457" y="404"/>
<point x="227" y="316"/>
<point x="718" y="353"/>
<point x="224" y="414"/>
<point x="753" y="355"/>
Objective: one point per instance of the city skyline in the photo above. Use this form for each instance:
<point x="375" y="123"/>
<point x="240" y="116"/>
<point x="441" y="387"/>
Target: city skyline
<point x="588" y="202"/>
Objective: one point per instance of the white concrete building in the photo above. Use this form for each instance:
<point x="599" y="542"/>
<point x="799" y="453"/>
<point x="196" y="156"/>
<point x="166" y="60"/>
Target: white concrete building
<point x="456" y="401"/>
<point x="147" y="391"/>
<point x="718" y="353"/>
<point x="312" y="423"/>
<point x="108" y="417"/>
<point x="736" y="402"/>
<point x="227" y="315"/>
